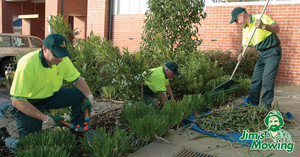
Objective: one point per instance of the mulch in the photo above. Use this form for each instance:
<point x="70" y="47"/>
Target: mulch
<point x="105" y="119"/>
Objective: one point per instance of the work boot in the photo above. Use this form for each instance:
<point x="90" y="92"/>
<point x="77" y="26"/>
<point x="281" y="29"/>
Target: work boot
<point x="3" y="135"/>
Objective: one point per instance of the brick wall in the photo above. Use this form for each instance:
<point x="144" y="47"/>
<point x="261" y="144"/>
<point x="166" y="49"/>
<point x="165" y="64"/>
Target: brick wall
<point x="229" y="36"/>
<point x="10" y="9"/>
<point x="127" y="31"/>
<point x="52" y="8"/>
<point x="97" y="17"/>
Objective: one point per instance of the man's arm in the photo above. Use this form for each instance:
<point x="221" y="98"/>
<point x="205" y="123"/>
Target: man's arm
<point x="164" y="97"/>
<point x="83" y="87"/>
<point x="29" y="109"/>
<point x="272" y="28"/>
<point x="170" y="92"/>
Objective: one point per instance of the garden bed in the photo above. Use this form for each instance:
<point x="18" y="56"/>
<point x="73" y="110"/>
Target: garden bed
<point x="105" y="115"/>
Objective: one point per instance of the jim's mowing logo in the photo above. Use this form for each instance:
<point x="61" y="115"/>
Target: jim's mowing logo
<point x="273" y="138"/>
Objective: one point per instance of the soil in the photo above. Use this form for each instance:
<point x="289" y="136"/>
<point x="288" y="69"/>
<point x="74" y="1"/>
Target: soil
<point x="103" y="114"/>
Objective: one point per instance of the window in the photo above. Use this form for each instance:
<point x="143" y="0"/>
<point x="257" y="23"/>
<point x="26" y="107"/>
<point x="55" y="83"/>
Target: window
<point x="20" y="42"/>
<point x="5" y="41"/>
<point x="36" y="43"/>
<point x="130" y="6"/>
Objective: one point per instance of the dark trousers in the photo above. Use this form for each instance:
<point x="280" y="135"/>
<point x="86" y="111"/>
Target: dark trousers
<point x="149" y="96"/>
<point x="63" y="98"/>
<point x="264" y="75"/>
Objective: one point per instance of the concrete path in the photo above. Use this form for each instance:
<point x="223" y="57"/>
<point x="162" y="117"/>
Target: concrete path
<point x="186" y="140"/>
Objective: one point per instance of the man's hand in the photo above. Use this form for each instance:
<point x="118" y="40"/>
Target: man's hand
<point x="259" y="24"/>
<point x="86" y="104"/>
<point x="54" y="120"/>
<point x="240" y="57"/>
<point x="91" y="98"/>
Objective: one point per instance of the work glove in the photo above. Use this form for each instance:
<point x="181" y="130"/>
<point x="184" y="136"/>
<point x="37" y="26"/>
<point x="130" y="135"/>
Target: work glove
<point x="259" y="24"/>
<point x="54" y="120"/>
<point x="86" y="104"/>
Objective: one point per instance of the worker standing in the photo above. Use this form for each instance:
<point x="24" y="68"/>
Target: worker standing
<point x="37" y="86"/>
<point x="266" y="41"/>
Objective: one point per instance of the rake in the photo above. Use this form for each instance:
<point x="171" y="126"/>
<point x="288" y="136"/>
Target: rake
<point x="231" y="85"/>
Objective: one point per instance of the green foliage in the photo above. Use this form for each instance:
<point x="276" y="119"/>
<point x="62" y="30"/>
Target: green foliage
<point x="175" y="112"/>
<point x="58" y="24"/>
<point x="196" y="70"/>
<point x="134" y="111"/>
<point x="47" y="143"/>
<point x="177" y="21"/>
<point x="224" y="60"/>
<point x="248" y="63"/>
<point x="109" y="92"/>
<point x="146" y="127"/>
<point x="90" y="59"/>
<point x="115" y="143"/>
<point x="195" y="103"/>
<point x="127" y="69"/>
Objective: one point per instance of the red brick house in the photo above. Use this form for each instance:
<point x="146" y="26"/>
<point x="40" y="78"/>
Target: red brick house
<point x="122" y="20"/>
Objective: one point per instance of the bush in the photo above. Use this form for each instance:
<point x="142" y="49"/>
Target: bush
<point x="47" y="143"/>
<point x="115" y="143"/>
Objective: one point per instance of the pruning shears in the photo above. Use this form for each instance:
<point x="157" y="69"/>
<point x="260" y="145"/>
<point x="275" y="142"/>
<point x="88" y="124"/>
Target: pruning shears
<point x="86" y="128"/>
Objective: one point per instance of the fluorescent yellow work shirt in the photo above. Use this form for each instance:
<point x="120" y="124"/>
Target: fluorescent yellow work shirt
<point x="34" y="79"/>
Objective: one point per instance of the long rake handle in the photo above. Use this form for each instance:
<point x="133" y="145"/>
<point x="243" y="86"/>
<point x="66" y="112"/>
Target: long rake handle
<point x="237" y="65"/>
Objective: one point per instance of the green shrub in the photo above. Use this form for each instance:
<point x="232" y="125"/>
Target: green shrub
<point x="134" y="111"/>
<point x="47" y="143"/>
<point x="146" y="127"/>
<point x="227" y="63"/>
<point x="109" y="92"/>
<point x="175" y="21"/>
<point x="115" y="143"/>
<point x="196" y="70"/>
<point x="174" y="111"/>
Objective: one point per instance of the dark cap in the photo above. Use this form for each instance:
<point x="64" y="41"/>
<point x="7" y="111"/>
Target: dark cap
<point x="235" y="12"/>
<point x="57" y="44"/>
<point x="173" y="67"/>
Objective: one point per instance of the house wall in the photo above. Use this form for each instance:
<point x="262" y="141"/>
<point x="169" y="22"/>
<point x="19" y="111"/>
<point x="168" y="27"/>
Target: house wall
<point x="11" y="9"/>
<point x="229" y="36"/>
<point x="98" y="17"/>
<point x="127" y="31"/>
<point x="1" y="15"/>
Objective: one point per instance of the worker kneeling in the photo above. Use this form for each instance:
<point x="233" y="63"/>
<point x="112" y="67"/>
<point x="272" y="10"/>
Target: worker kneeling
<point x="157" y="82"/>
<point x="37" y="86"/>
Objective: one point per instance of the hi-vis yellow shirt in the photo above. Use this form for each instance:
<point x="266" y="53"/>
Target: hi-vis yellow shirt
<point x="157" y="81"/>
<point x="262" y="39"/>
<point x="35" y="80"/>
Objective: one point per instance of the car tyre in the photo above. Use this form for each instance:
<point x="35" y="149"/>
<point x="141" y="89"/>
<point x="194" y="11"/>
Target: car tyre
<point x="6" y="66"/>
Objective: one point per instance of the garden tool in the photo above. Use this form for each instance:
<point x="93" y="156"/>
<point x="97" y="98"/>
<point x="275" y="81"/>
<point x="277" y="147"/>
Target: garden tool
<point x="85" y="129"/>
<point x="231" y="85"/>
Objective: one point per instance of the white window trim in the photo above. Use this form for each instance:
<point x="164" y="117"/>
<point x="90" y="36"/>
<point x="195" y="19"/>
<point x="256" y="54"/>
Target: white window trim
<point x="251" y="3"/>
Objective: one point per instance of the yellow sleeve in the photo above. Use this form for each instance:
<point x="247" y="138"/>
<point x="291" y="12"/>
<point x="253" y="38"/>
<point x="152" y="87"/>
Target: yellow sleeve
<point x="21" y="86"/>
<point x="267" y="20"/>
<point x="70" y="72"/>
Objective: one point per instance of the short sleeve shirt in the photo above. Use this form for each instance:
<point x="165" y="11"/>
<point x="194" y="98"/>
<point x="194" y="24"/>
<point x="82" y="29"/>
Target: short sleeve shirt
<point x="33" y="79"/>
<point x="157" y="80"/>
<point x="262" y="39"/>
